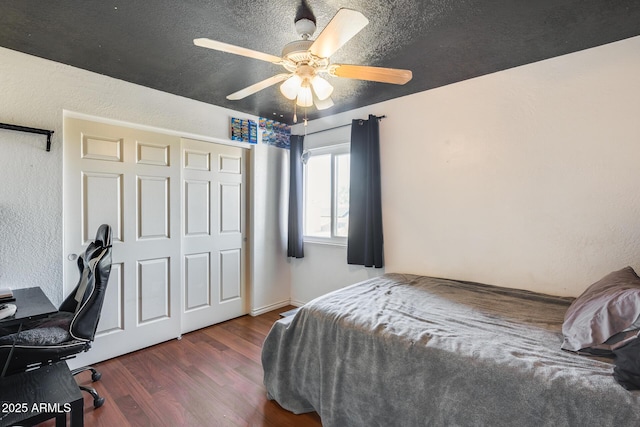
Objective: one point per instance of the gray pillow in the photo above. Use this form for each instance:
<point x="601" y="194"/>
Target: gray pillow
<point x="600" y="319"/>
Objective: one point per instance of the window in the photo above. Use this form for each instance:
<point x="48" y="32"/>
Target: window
<point x="326" y="194"/>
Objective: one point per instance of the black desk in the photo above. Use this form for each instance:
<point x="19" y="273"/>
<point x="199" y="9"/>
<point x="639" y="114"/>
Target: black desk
<point x="35" y="396"/>
<point x="32" y="303"/>
<point x="41" y="394"/>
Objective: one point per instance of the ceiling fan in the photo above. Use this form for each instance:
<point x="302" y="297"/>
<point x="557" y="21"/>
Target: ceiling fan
<point x="307" y="60"/>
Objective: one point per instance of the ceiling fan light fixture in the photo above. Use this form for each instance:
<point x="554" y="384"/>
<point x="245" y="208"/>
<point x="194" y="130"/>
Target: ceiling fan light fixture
<point x="324" y="103"/>
<point x="321" y="87"/>
<point x="291" y="86"/>
<point x="305" y="96"/>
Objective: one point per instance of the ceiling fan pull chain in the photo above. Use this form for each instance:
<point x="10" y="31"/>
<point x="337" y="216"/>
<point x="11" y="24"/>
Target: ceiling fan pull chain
<point x="295" y="112"/>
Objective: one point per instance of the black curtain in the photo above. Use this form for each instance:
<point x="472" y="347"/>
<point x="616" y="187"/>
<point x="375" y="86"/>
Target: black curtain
<point x="295" y="247"/>
<point x="365" y="204"/>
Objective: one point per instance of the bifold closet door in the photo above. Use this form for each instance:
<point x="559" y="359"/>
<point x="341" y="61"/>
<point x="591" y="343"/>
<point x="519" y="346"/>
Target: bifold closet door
<point x="129" y="179"/>
<point x="177" y="210"/>
<point x="213" y="242"/>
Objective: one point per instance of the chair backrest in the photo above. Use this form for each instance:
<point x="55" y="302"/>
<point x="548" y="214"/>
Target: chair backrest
<point x="86" y="300"/>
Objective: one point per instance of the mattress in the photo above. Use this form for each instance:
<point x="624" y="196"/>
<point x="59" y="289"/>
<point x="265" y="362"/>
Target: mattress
<point x="407" y="350"/>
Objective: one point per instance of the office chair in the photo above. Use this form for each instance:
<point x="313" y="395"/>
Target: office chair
<point x="72" y="328"/>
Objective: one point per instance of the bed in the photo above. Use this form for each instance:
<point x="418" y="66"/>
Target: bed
<point x="407" y="350"/>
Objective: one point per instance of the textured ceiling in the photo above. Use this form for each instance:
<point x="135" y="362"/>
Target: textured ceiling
<point x="150" y="42"/>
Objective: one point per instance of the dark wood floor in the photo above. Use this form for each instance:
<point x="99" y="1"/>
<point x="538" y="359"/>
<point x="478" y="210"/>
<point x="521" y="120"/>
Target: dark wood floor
<point x="211" y="377"/>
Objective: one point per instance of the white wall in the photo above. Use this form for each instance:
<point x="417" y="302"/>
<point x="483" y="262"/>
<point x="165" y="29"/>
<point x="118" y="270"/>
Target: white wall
<point x="269" y="205"/>
<point x="324" y="269"/>
<point x="35" y="93"/>
<point x="525" y="178"/>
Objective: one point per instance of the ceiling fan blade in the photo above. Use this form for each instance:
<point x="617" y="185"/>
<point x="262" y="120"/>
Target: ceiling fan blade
<point x="375" y="74"/>
<point x="342" y="27"/>
<point x="225" y="47"/>
<point x="243" y="93"/>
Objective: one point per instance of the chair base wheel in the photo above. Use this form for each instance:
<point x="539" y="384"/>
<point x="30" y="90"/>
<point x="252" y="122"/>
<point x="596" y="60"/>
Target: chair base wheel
<point x="95" y="375"/>
<point x="98" y="402"/>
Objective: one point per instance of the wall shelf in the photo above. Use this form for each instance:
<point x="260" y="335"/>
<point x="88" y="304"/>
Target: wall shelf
<point x="30" y="130"/>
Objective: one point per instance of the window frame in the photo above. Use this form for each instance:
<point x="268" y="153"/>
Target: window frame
<point x="332" y="150"/>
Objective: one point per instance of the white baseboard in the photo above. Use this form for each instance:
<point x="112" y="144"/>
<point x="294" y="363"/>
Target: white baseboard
<point x="261" y="310"/>
<point x="297" y="303"/>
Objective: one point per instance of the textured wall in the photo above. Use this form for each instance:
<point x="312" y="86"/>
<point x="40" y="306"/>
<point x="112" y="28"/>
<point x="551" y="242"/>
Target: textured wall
<point x="525" y="178"/>
<point x="36" y="93"/>
<point x="30" y="218"/>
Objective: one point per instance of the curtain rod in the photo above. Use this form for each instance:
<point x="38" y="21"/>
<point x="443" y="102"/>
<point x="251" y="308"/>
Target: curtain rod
<point x="338" y="127"/>
<point x="30" y="130"/>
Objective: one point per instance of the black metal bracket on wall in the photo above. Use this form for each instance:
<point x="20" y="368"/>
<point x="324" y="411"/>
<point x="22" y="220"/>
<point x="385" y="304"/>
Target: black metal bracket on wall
<point x="30" y="130"/>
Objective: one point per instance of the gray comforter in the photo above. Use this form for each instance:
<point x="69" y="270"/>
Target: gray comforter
<point x="404" y="350"/>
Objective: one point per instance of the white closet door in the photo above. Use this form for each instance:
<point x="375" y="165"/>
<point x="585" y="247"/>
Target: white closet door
<point x="129" y="179"/>
<point x="213" y="243"/>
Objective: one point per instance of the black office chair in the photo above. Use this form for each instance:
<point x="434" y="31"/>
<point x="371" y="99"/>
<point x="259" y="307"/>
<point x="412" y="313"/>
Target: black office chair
<point x="72" y="328"/>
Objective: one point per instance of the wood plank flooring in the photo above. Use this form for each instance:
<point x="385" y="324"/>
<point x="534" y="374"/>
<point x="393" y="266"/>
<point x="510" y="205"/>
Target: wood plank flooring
<point x="211" y="377"/>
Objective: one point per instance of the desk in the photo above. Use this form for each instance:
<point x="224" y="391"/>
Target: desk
<point x="32" y="303"/>
<point x="53" y="391"/>
<point x="41" y="394"/>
